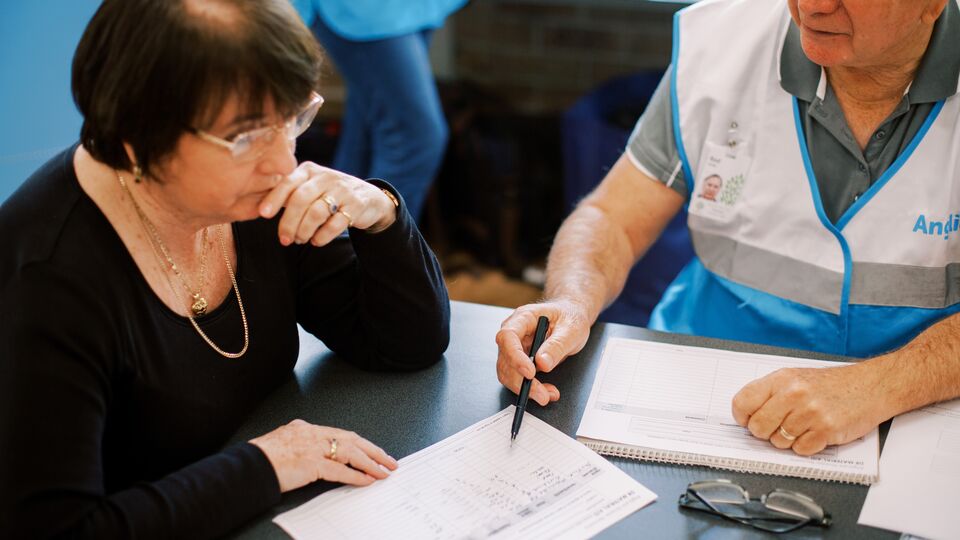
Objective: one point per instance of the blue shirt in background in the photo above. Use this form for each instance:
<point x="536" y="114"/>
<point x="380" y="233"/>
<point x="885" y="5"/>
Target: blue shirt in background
<point x="368" y="20"/>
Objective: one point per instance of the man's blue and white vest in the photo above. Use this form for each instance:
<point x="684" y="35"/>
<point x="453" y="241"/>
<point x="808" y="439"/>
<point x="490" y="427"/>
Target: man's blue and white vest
<point x="769" y="266"/>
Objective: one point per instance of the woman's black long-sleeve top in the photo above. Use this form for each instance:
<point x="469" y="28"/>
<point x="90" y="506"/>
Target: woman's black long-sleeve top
<point x="114" y="412"/>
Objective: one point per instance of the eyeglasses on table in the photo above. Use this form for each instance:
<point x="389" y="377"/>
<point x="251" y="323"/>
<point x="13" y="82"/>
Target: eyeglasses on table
<point x="778" y="511"/>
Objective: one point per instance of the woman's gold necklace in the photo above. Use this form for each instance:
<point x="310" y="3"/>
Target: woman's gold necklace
<point x="199" y="305"/>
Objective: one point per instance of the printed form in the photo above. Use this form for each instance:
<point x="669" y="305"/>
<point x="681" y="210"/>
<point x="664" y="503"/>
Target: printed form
<point x="919" y="471"/>
<point x="475" y="485"/>
<point x="673" y="403"/>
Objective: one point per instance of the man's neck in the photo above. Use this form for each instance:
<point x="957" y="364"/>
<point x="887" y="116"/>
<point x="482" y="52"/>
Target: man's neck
<point x="869" y="94"/>
<point x="872" y="87"/>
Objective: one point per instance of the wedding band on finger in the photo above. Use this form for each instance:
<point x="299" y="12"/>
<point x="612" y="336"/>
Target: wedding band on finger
<point x="332" y="454"/>
<point x="331" y="204"/>
<point x="786" y="434"/>
<point x="348" y="216"/>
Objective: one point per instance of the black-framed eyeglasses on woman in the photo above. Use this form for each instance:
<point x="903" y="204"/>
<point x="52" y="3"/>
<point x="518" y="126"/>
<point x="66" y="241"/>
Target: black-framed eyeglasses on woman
<point x="778" y="511"/>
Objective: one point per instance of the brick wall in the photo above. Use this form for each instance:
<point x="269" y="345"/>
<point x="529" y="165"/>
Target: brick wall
<point x="543" y="54"/>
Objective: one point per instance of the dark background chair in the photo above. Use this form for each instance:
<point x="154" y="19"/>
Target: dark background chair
<point x="595" y="131"/>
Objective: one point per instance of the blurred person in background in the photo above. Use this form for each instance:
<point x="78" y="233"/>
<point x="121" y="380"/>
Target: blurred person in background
<point x="393" y="125"/>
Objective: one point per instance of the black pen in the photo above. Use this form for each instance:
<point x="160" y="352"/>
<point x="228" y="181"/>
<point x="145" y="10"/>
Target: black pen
<point x="542" y="324"/>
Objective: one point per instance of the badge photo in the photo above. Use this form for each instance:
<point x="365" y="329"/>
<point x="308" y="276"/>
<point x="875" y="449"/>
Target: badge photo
<point x="719" y="183"/>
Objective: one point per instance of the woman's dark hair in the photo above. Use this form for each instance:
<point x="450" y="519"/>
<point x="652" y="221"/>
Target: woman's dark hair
<point x="146" y="71"/>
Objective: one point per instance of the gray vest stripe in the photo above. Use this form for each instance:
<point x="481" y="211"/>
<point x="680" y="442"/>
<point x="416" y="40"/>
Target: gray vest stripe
<point x="901" y="285"/>
<point x="872" y="284"/>
<point x="769" y="272"/>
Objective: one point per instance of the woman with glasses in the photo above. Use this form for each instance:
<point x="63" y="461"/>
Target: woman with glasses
<point x="153" y="275"/>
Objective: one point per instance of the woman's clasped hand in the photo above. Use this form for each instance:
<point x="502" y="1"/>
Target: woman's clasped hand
<point x="320" y="203"/>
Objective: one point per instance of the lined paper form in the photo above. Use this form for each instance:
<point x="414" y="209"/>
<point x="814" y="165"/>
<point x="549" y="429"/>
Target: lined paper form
<point x="672" y="403"/>
<point x="475" y="485"/>
<point x="919" y="470"/>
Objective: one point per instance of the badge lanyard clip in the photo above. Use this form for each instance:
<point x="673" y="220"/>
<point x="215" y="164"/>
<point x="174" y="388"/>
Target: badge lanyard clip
<point x="733" y="137"/>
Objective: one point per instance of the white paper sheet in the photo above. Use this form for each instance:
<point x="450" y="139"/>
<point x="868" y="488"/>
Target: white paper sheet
<point x="474" y="484"/>
<point x="919" y="475"/>
<point x="676" y="400"/>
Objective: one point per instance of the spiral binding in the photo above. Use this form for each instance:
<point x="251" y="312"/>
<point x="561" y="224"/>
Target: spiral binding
<point x="729" y="464"/>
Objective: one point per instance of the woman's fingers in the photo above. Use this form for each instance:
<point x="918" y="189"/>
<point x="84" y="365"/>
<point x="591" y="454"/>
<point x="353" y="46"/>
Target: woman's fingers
<point x="330" y="229"/>
<point x="338" y="472"/>
<point x="297" y="207"/>
<point x="361" y="454"/>
<point x="315" y="216"/>
<point x="277" y="198"/>
<point x="320" y="203"/>
<point x="361" y="461"/>
<point x="377" y="454"/>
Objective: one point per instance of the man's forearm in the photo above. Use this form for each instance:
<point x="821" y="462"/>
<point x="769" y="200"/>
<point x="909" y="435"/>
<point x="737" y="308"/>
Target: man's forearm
<point x="612" y="228"/>
<point x="589" y="260"/>
<point x="924" y="371"/>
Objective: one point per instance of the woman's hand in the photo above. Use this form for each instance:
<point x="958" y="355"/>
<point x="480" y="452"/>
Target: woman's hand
<point x="320" y="203"/>
<point x="302" y="453"/>
<point x="569" y="329"/>
<point x="816" y="407"/>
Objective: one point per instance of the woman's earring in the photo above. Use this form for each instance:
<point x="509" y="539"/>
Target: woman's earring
<point x="137" y="173"/>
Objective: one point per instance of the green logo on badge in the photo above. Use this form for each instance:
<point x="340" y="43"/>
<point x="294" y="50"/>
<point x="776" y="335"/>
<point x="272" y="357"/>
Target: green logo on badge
<point x="731" y="191"/>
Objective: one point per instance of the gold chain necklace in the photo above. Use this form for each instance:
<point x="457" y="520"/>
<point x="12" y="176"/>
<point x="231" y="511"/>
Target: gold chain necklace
<point x="199" y="305"/>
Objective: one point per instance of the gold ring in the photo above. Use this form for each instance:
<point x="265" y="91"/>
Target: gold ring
<point x="786" y="434"/>
<point x="331" y="204"/>
<point x="348" y="216"/>
<point x="332" y="454"/>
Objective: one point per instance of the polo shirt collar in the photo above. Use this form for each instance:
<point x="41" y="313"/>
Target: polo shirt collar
<point x="936" y="77"/>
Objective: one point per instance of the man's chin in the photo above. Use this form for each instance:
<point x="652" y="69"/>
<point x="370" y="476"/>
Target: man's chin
<point x="825" y="52"/>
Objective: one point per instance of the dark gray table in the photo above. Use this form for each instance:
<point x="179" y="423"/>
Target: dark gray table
<point x="406" y="412"/>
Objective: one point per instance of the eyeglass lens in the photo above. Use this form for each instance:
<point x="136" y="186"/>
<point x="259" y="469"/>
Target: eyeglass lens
<point x="252" y="143"/>
<point x="790" y="502"/>
<point x="721" y="492"/>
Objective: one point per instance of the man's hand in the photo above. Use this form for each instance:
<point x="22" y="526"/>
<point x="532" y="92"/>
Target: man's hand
<point x="816" y="406"/>
<point x="569" y="329"/>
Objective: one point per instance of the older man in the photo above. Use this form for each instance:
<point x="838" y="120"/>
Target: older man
<point x="836" y="126"/>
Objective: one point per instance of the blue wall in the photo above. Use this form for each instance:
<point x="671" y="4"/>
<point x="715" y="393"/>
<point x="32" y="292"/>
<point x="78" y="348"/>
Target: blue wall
<point x="37" y="114"/>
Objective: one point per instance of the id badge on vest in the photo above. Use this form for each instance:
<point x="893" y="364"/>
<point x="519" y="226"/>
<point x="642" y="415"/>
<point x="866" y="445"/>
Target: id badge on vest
<point x="720" y="181"/>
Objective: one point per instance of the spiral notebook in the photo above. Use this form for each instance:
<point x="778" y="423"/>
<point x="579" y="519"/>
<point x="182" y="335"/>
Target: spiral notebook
<point x="671" y="403"/>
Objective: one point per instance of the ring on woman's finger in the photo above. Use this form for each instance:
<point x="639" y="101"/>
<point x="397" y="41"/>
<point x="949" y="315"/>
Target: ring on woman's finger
<point x="331" y="204"/>
<point x="348" y="216"/>
<point x="786" y="434"/>
<point x="332" y="454"/>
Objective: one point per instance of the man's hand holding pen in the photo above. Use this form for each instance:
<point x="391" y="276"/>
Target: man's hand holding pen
<point x="570" y="328"/>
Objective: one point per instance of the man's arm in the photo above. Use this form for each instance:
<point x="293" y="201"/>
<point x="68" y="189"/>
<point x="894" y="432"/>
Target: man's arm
<point x="823" y="407"/>
<point x="924" y="371"/>
<point x="588" y="264"/>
